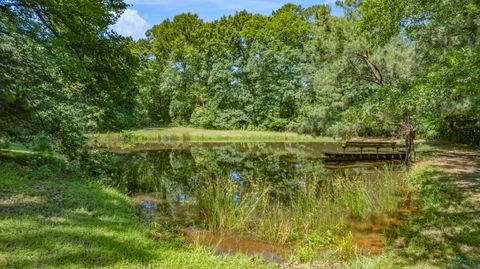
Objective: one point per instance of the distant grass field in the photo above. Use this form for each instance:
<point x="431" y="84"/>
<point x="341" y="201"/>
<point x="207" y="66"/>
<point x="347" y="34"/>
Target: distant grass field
<point x="184" y="134"/>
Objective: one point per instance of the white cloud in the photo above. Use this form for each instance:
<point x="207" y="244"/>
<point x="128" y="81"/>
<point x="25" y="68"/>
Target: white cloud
<point x="131" y="24"/>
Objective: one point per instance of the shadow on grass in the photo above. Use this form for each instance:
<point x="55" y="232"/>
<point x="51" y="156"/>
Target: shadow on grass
<point x="446" y="230"/>
<point x="62" y="223"/>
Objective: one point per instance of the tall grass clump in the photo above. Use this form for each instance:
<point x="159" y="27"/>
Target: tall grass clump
<point x="223" y="205"/>
<point x="317" y="205"/>
<point x="362" y="196"/>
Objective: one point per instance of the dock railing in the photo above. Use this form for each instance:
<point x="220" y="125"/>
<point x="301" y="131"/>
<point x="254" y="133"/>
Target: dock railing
<point x="396" y="151"/>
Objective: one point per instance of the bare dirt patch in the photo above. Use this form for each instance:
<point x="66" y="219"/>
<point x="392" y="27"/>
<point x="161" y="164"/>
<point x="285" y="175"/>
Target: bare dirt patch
<point x="465" y="170"/>
<point x="446" y="231"/>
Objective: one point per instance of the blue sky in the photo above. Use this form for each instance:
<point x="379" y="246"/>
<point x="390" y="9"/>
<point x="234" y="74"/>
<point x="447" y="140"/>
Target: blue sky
<point x="143" y="14"/>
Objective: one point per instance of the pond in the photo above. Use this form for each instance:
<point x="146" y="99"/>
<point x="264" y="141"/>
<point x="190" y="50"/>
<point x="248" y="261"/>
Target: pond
<point x="272" y="199"/>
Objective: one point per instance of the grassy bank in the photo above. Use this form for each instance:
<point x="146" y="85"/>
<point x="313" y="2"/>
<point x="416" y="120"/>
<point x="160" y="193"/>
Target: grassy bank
<point x="55" y="218"/>
<point x="182" y="134"/>
<point x="52" y="219"/>
<point x="444" y="232"/>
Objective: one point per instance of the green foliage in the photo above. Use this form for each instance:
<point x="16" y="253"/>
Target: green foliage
<point x="456" y="76"/>
<point x="313" y="243"/>
<point x="382" y="67"/>
<point x="60" y="72"/>
<point x="305" y="214"/>
<point x="240" y="71"/>
<point x="441" y="96"/>
<point x="53" y="219"/>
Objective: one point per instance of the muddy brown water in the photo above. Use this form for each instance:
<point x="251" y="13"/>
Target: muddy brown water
<point x="224" y="243"/>
<point x="162" y="179"/>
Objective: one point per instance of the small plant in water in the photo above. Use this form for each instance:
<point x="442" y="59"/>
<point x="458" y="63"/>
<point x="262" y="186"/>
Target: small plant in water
<point x="313" y="244"/>
<point x="345" y="246"/>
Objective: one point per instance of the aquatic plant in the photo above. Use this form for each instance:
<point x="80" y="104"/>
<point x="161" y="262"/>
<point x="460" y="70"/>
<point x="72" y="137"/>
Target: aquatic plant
<point x="222" y="205"/>
<point x="315" y="206"/>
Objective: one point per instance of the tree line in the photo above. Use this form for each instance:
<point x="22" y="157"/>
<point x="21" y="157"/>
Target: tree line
<point x="383" y="69"/>
<point x="386" y="68"/>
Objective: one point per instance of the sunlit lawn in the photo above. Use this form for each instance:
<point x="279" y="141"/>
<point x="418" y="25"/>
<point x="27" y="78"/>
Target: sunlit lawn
<point x="59" y="221"/>
<point x="52" y="219"/>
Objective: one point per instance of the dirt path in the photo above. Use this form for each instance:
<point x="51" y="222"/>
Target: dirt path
<point x="465" y="170"/>
<point x="447" y="230"/>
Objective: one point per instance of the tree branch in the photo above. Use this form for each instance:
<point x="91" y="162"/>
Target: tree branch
<point x="376" y="74"/>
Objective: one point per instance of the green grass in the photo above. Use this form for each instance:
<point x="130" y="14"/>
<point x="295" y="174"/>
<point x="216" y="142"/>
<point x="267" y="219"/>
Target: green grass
<point x="183" y="134"/>
<point x="446" y="230"/>
<point x="51" y="218"/>
<point x="444" y="233"/>
<point x="315" y="207"/>
<point x="57" y="220"/>
<point x="438" y="146"/>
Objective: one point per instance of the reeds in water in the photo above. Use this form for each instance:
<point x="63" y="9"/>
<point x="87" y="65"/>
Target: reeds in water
<point x="315" y="205"/>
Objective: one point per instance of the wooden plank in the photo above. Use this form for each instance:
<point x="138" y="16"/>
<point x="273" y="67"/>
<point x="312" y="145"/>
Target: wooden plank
<point x="356" y="156"/>
<point x="392" y="154"/>
<point x="364" y="153"/>
<point x="368" y="153"/>
<point x="377" y="145"/>
<point x="369" y="144"/>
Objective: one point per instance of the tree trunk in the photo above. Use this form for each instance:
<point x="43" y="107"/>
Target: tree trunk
<point x="409" y="135"/>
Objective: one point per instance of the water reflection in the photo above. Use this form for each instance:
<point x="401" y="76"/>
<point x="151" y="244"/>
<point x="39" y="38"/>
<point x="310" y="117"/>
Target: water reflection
<point x="236" y="159"/>
<point x="178" y="170"/>
<point x="184" y="183"/>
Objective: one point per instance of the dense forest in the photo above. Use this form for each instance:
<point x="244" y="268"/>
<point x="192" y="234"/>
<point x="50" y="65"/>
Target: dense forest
<point x="384" y="69"/>
<point x="283" y="140"/>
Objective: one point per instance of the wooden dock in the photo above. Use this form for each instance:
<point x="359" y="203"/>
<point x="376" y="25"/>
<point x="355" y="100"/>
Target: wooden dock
<point x="367" y="156"/>
<point x="392" y="154"/>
